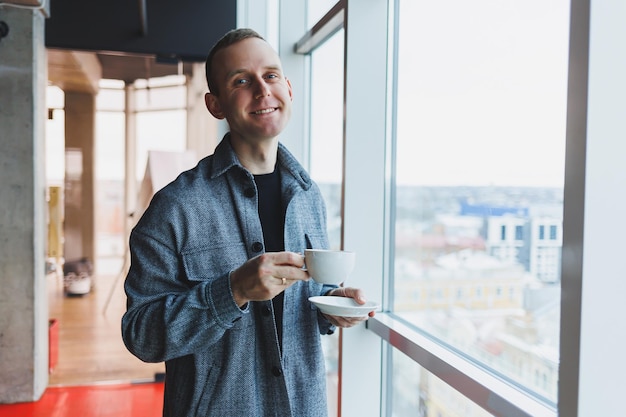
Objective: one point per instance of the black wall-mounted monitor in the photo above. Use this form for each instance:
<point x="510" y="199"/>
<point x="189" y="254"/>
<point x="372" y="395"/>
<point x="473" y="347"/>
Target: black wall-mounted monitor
<point x="181" y="30"/>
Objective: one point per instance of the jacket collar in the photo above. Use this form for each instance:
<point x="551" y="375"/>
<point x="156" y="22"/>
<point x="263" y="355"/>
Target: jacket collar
<point x="225" y="159"/>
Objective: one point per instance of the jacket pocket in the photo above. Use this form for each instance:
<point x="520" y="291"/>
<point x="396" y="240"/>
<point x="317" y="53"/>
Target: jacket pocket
<point x="203" y="264"/>
<point x="210" y="265"/>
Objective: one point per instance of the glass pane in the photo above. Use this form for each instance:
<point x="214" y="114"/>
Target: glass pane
<point x="326" y="167"/>
<point x="165" y="81"/>
<point x="417" y="392"/>
<point x="111" y="98"/>
<point x="317" y="9"/>
<point x="55" y="136"/>
<point x="480" y="159"/>
<point x="110" y="211"/>
<point x="156" y="130"/>
<point x="110" y="147"/>
<point x="159" y="131"/>
<point x="161" y="98"/>
<point x="327" y="128"/>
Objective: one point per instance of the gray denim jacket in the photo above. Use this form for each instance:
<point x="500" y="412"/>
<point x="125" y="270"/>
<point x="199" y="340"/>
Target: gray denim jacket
<point x="221" y="360"/>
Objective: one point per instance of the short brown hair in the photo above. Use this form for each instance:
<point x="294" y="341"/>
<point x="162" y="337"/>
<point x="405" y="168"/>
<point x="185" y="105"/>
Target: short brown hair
<point x="230" y="38"/>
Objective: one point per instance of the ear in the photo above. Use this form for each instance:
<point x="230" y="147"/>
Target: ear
<point x="213" y="105"/>
<point x="290" y="89"/>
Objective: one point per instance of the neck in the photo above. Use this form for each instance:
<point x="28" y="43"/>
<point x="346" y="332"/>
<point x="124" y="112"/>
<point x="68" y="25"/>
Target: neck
<point x="259" y="157"/>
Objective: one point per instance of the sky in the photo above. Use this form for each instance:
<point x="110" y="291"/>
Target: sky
<point x="482" y="92"/>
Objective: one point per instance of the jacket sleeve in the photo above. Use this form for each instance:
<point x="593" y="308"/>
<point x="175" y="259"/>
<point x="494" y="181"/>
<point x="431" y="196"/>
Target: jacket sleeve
<point x="166" y="317"/>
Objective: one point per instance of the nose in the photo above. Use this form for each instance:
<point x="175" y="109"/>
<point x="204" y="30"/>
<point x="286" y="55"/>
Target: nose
<point x="262" y="89"/>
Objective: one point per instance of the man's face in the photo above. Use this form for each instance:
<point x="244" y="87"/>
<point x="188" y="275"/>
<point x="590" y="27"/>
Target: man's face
<point x="253" y="94"/>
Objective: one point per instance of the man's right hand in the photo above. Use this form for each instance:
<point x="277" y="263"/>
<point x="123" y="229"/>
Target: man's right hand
<point x="267" y="275"/>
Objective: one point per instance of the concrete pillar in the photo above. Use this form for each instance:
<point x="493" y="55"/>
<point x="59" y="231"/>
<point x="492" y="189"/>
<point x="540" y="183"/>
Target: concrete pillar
<point x="80" y="185"/>
<point x="23" y="295"/>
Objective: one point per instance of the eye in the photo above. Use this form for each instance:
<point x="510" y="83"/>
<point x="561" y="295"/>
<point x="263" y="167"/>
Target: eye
<point x="240" y="81"/>
<point x="272" y="76"/>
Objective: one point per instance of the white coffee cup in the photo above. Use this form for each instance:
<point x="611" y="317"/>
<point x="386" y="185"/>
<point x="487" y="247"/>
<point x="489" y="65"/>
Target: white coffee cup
<point x="329" y="266"/>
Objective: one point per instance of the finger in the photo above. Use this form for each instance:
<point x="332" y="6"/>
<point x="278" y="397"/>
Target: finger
<point x="355" y="320"/>
<point x="292" y="273"/>
<point x="283" y="282"/>
<point x="287" y="259"/>
<point x="355" y="293"/>
<point x="343" y="321"/>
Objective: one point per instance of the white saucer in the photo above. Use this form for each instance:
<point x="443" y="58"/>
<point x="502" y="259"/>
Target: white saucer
<point x="343" y="306"/>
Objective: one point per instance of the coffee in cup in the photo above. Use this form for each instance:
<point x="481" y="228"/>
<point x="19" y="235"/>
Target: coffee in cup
<point x="328" y="266"/>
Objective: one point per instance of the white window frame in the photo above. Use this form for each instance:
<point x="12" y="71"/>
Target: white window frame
<point x="593" y="285"/>
<point x="362" y="354"/>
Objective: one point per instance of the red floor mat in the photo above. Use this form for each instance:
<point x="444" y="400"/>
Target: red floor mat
<point x="123" y="400"/>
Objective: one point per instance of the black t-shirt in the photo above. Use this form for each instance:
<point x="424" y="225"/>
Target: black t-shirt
<point x="272" y="215"/>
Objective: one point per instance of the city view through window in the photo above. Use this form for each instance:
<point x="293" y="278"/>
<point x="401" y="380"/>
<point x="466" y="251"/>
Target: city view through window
<point x="478" y="268"/>
<point x="478" y="201"/>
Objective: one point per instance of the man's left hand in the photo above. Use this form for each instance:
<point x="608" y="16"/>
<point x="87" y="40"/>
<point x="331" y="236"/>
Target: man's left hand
<point x="355" y="293"/>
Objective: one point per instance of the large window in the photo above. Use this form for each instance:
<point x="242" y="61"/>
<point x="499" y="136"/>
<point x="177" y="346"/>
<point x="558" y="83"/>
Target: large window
<point x="492" y="265"/>
<point x="110" y="172"/>
<point x="161" y="117"/>
<point x="326" y="149"/>
<point x="480" y="153"/>
<point x="160" y="125"/>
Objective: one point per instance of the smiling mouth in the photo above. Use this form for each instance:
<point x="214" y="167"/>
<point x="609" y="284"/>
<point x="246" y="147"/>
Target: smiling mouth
<point x="265" y="111"/>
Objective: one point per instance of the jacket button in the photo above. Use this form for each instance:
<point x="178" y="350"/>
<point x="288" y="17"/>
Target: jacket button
<point x="249" y="192"/>
<point x="257" y="246"/>
<point x="276" y="371"/>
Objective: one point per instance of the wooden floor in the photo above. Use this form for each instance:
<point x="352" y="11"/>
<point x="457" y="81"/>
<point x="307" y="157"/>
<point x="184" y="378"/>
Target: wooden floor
<point x="90" y="344"/>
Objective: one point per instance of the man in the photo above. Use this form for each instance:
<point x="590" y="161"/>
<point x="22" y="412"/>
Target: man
<point x="216" y="287"/>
